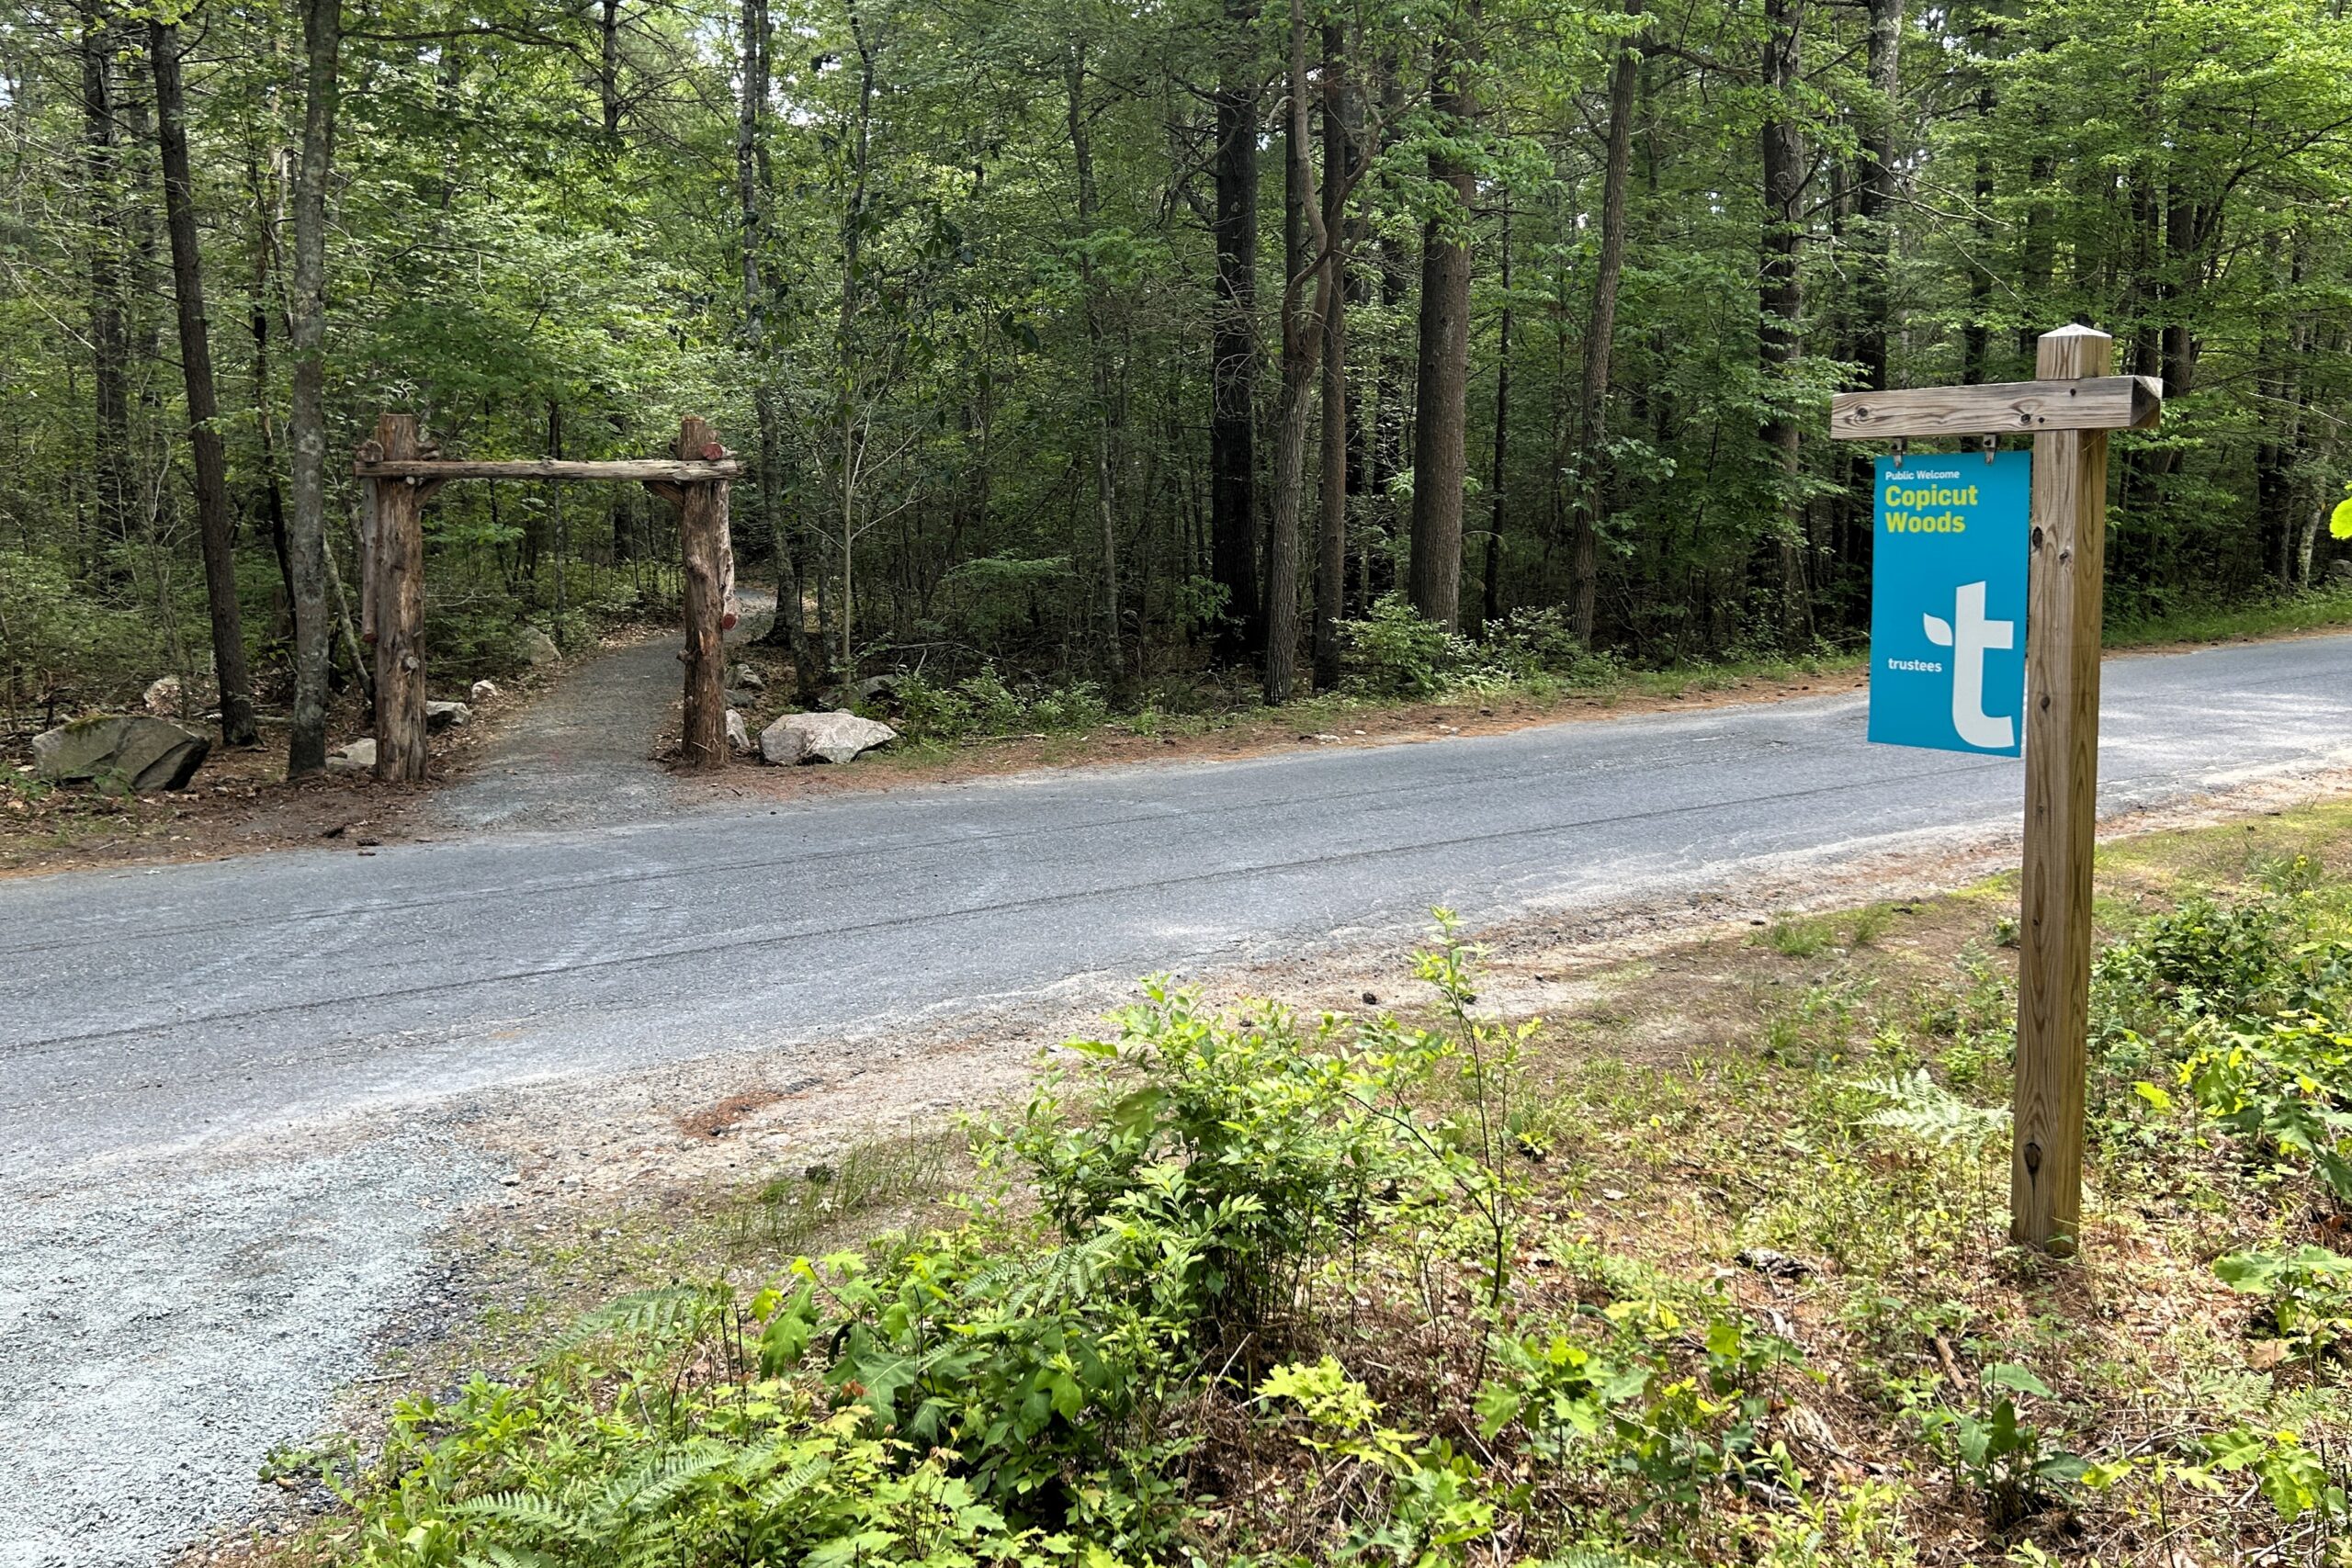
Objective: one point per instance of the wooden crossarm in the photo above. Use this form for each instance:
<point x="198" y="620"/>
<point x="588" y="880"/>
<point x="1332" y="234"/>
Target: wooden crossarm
<point x="2024" y="408"/>
<point x="670" y="468"/>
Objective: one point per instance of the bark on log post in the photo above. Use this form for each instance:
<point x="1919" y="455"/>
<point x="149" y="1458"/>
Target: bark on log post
<point x="702" y="539"/>
<point x="397" y="593"/>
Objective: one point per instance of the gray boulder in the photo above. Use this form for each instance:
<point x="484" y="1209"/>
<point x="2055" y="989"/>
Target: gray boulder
<point x="739" y="735"/>
<point x="133" y="752"/>
<point x="537" y="649"/>
<point x="741" y="698"/>
<point x="162" y="699"/>
<point x="822" y="738"/>
<point x="359" y="757"/>
<point x="440" y="717"/>
<point x="783" y="744"/>
<point x="744" y="676"/>
<point x="482" y="692"/>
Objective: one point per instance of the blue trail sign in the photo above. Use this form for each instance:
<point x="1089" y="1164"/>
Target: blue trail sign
<point x="1947" y="595"/>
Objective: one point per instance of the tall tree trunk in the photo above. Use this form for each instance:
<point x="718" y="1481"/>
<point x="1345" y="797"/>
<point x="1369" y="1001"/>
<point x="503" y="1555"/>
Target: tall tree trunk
<point x="2279" y="393"/>
<point x="1490" y="592"/>
<point x="265" y="422"/>
<point x="608" y="67"/>
<point x="1331" y="551"/>
<point x="789" y="628"/>
<point x="1233" y="345"/>
<point x="213" y="525"/>
<point x="307" y="423"/>
<point x="558" y="534"/>
<point x="1098" y="354"/>
<point x="1875" y="193"/>
<point x="1872" y="294"/>
<point x="2038" y="256"/>
<point x="109" y="344"/>
<point x="1976" y="336"/>
<point x="1781" y="296"/>
<point x="1391" y="432"/>
<point x="1600" y="338"/>
<point x="1433" y="571"/>
<point x="1307" y="252"/>
<point x="853" y="229"/>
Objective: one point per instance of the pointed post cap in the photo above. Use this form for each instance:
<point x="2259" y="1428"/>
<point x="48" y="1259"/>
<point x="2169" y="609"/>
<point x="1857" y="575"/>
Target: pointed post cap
<point x="2072" y="352"/>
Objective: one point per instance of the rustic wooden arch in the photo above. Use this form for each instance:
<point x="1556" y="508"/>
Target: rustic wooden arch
<point x="402" y="470"/>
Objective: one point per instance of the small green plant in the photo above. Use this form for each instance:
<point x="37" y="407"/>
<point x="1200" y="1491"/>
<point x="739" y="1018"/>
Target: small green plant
<point x="1430" y="1505"/>
<point x="2281" y="1089"/>
<point x="1621" y="1389"/>
<point x="2004" y="1460"/>
<point x="2309" y="1292"/>
<point x="2295" y="1480"/>
<point x="1794" y="936"/>
<point x="1866" y="925"/>
<point x="1395" y="651"/>
<point x="987" y="705"/>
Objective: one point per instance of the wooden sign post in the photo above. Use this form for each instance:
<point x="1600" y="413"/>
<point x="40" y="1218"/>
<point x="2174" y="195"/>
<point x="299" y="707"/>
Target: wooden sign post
<point x="2068" y="409"/>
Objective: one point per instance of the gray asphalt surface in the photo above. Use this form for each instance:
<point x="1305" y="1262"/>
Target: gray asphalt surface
<point x="148" y="1014"/>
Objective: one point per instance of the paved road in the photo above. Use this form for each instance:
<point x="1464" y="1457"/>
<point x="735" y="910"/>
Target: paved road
<point x="172" y="1317"/>
<point x="148" y="1005"/>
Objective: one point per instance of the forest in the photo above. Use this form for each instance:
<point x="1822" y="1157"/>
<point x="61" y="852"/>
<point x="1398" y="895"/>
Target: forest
<point x="1166" y="348"/>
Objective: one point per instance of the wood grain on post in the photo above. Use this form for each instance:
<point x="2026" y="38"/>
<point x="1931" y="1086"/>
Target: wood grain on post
<point x="2067" y="560"/>
<point x="702" y="533"/>
<point x="397" y="594"/>
<point x="2025" y="408"/>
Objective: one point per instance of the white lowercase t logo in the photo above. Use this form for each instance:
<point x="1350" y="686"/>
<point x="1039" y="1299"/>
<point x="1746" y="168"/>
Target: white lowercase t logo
<point x="1974" y="636"/>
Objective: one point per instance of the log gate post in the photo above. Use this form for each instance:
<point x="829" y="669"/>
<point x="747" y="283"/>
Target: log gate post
<point x="702" y="555"/>
<point x="395" y="593"/>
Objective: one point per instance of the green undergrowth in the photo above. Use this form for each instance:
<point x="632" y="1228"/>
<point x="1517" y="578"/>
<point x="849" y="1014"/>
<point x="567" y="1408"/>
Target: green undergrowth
<point x="1247" y="1288"/>
<point x="1392" y="658"/>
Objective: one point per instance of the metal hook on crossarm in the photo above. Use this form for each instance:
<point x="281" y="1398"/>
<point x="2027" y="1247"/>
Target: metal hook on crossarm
<point x="1991" y="445"/>
<point x="1899" y="450"/>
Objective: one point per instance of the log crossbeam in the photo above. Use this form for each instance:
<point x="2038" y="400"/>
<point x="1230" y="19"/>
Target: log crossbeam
<point x="640" y="469"/>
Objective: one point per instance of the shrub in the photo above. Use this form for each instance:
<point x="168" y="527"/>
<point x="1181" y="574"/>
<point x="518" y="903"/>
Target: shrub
<point x="999" y="1392"/>
<point x="1394" y="652"/>
<point x="985" y="703"/>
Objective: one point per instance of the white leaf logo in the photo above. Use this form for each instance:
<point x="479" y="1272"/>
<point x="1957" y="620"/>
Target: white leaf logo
<point x="1938" y="631"/>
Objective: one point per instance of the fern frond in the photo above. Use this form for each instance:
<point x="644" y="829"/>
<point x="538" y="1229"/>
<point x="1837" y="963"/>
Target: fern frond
<point x="656" y="1315"/>
<point x="497" y="1556"/>
<point x="527" y="1509"/>
<point x="1923" y="1109"/>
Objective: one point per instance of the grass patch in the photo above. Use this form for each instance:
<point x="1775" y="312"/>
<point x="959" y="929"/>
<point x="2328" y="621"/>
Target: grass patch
<point x="2317" y="609"/>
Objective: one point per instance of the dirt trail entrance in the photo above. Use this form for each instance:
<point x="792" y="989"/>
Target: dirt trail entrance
<point x="583" y="752"/>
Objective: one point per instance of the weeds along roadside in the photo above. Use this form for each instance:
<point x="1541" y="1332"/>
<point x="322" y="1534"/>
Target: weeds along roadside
<point x="1250" y="1288"/>
<point x="1393" y="656"/>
